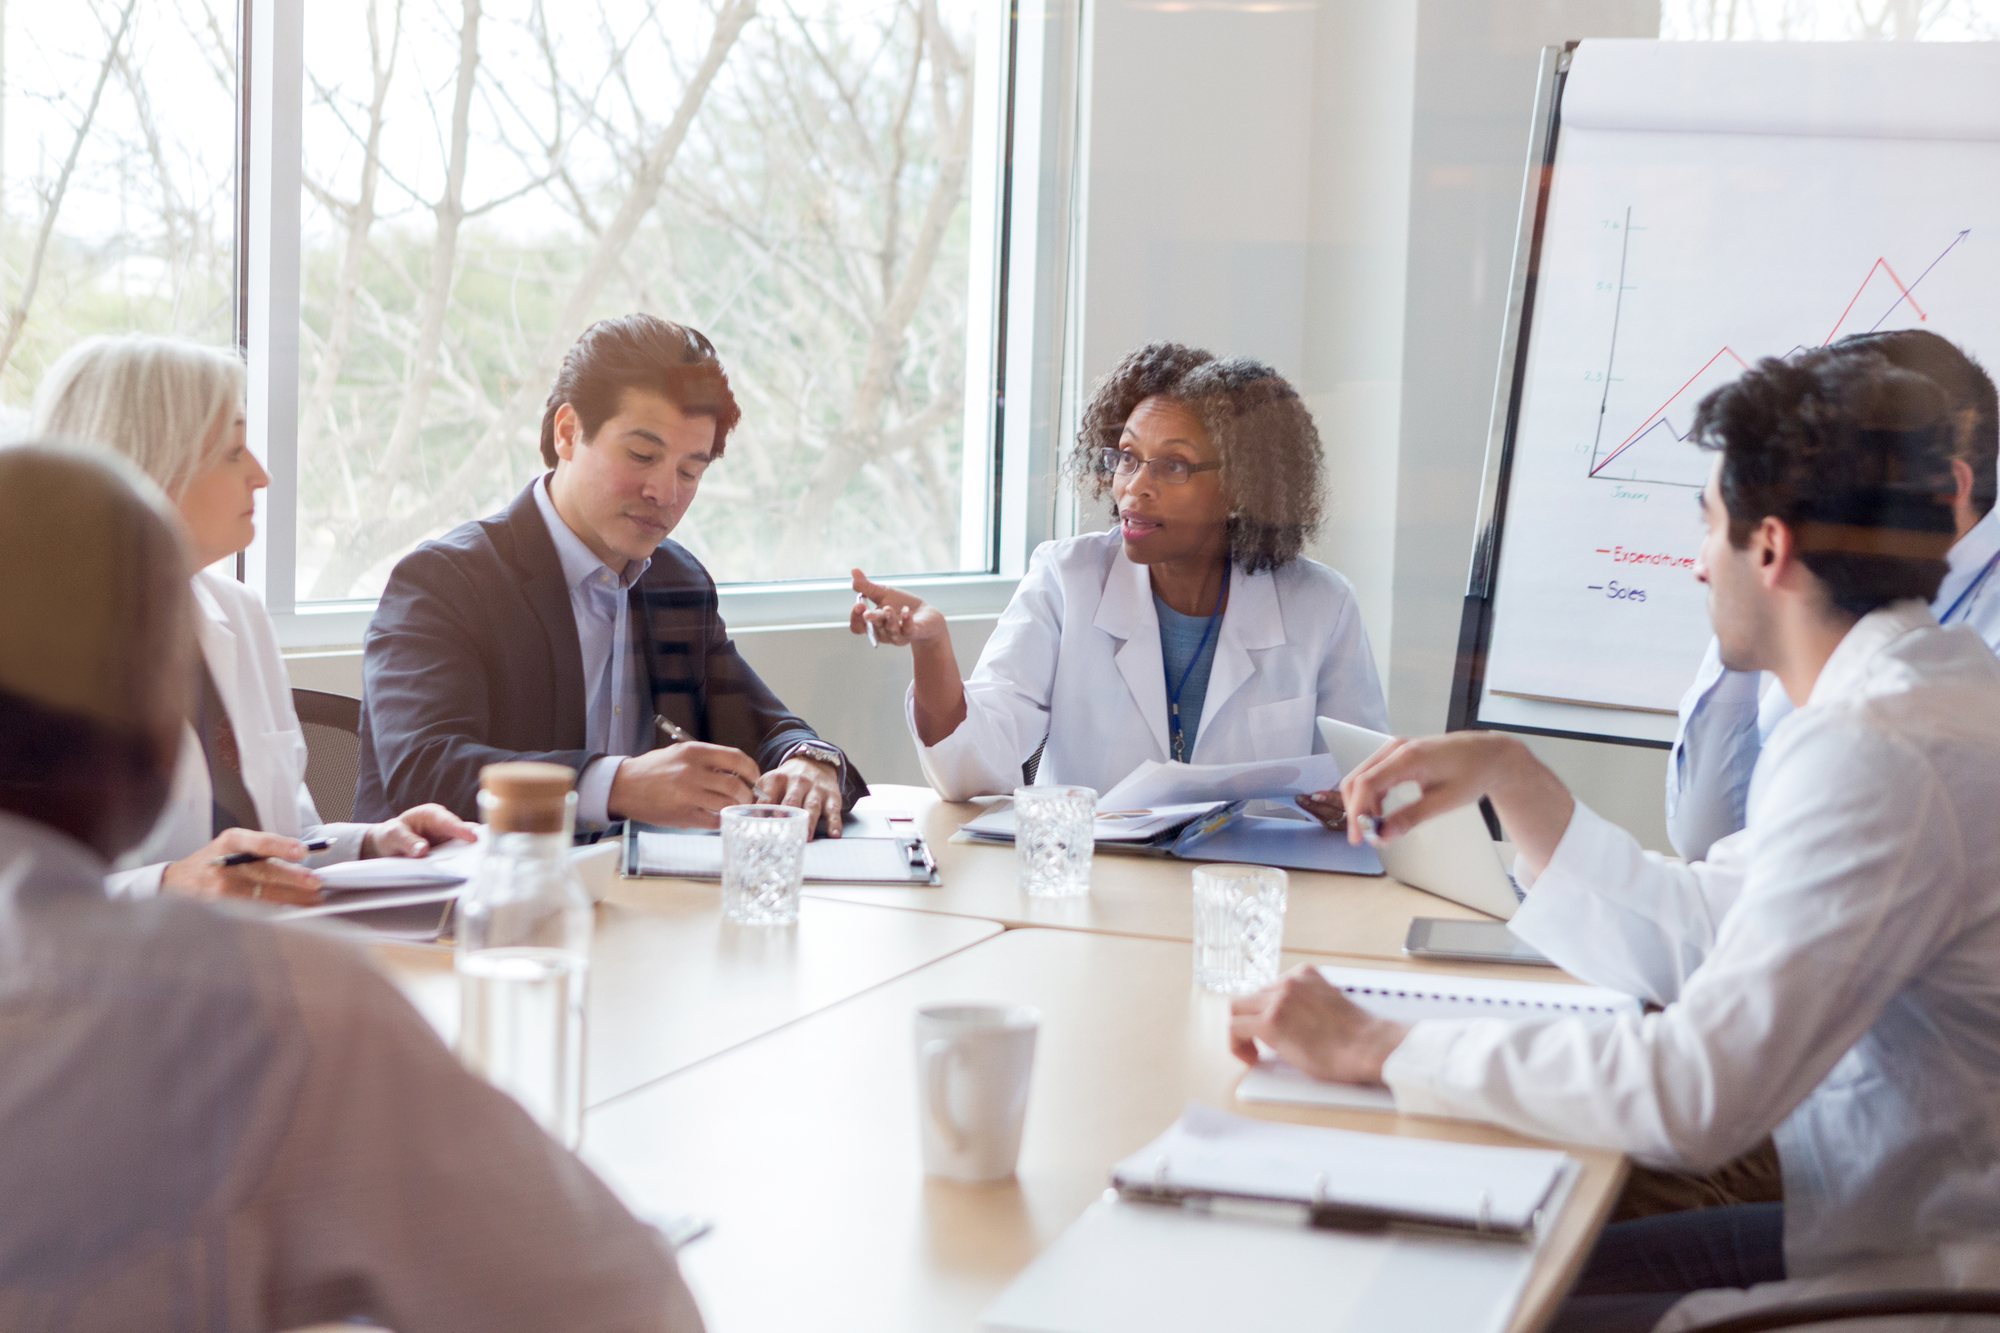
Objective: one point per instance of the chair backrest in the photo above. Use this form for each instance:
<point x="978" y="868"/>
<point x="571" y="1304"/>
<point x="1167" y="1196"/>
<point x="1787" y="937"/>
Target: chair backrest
<point x="1828" y="1311"/>
<point x="332" y="724"/>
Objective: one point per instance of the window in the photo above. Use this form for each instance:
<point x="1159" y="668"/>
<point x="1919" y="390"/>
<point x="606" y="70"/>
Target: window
<point x="815" y="184"/>
<point x="1814" y="21"/>
<point x="117" y="178"/>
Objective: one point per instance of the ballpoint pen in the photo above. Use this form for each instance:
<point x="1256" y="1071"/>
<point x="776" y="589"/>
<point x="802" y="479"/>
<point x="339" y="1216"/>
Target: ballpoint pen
<point x="251" y="858"/>
<point x="869" y="625"/>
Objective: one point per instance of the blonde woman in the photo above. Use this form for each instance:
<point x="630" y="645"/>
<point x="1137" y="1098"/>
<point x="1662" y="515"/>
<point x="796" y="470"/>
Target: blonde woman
<point x="176" y="410"/>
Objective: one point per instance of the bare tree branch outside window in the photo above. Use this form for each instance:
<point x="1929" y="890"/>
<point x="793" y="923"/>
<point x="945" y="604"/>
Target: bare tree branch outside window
<point x="790" y="176"/>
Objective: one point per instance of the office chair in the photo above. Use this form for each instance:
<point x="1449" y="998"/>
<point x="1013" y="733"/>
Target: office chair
<point x="1822" y="1310"/>
<point x="332" y="724"/>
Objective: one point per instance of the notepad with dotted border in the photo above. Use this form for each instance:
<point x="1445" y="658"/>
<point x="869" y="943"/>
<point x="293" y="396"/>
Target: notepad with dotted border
<point x="1410" y="997"/>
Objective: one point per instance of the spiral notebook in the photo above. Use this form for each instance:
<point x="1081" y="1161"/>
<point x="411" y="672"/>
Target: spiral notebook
<point x="1409" y="997"/>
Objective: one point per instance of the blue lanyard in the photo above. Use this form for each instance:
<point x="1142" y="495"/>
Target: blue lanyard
<point x="1174" y="695"/>
<point x="1970" y="589"/>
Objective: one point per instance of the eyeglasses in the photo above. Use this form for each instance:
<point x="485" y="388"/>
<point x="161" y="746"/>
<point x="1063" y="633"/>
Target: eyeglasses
<point x="1112" y="462"/>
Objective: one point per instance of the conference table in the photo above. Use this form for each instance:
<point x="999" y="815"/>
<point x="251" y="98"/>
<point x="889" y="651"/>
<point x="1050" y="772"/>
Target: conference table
<point x="672" y="983"/>
<point x="1132" y="894"/>
<point x="802" y="1146"/>
<point x="763" y="1078"/>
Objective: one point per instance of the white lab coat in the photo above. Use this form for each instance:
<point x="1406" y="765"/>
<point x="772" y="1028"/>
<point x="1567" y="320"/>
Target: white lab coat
<point x="1727" y="716"/>
<point x="241" y="650"/>
<point x="1831" y="975"/>
<point x="1076" y="657"/>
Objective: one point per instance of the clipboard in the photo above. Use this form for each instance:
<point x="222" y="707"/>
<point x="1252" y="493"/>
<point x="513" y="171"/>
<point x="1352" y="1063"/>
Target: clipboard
<point x="648" y="851"/>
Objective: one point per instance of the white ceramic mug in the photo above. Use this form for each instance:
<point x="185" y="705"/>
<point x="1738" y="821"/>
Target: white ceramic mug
<point x="973" y="1062"/>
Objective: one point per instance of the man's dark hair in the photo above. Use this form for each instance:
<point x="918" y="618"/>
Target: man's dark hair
<point x="1266" y="439"/>
<point x="1968" y="392"/>
<point x="1853" y="455"/>
<point x="641" y="352"/>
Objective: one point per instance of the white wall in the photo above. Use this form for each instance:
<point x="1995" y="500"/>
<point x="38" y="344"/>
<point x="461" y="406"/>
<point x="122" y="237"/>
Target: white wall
<point x="1351" y="369"/>
<point x="1475" y="75"/>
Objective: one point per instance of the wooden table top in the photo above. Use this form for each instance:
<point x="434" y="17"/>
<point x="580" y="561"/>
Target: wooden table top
<point x="672" y="983"/>
<point x="1151" y="897"/>
<point x="802" y="1145"/>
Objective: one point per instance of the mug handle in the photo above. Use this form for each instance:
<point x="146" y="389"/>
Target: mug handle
<point x="936" y="1055"/>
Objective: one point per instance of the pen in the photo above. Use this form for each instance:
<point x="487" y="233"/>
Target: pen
<point x="867" y="624"/>
<point x="251" y="858"/>
<point x="674" y="734"/>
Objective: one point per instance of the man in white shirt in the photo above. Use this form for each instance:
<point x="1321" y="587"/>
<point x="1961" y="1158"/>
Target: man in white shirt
<point x="1831" y="974"/>
<point x="1726" y="717"/>
<point x="208" y="1121"/>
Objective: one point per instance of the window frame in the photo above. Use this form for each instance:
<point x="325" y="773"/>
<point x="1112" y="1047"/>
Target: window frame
<point x="1025" y="146"/>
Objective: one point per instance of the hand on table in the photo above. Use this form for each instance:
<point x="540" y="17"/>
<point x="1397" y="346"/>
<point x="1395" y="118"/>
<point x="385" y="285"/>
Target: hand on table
<point x="1311" y="1026"/>
<point x="415" y="832"/>
<point x="279" y="878"/>
<point x="810" y="785"/>
<point x="683" y="786"/>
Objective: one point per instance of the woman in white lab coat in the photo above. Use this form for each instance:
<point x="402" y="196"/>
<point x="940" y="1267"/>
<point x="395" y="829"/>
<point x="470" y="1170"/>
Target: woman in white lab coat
<point x="1193" y="630"/>
<point x="176" y="410"/>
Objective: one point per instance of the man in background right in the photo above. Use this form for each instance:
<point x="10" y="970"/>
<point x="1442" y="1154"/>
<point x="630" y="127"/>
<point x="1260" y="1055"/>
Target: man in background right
<point x="1727" y="717"/>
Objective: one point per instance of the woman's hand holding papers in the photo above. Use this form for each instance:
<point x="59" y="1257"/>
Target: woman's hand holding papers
<point x="1310" y="1025"/>
<point x="276" y="878"/>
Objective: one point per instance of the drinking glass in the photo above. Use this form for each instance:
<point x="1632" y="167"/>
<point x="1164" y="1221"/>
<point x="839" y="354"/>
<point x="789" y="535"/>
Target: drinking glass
<point x="1053" y="838"/>
<point x="763" y="860"/>
<point x="1239" y="926"/>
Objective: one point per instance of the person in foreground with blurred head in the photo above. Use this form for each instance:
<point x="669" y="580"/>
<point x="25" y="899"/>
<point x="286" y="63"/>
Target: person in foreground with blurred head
<point x="568" y="627"/>
<point x="1727" y="716"/>
<point x="1830" y="975"/>
<point x="176" y="409"/>
<point x="210" y="1121"/>
<point x="1194" y="630"/>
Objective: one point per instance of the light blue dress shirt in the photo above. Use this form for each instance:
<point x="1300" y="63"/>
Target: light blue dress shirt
<point x="617" y="708"/>
<point x="1727" y="717"/>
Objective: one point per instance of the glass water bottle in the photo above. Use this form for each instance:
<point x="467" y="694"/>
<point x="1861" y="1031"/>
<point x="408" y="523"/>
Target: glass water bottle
<point x="524" y="928"/>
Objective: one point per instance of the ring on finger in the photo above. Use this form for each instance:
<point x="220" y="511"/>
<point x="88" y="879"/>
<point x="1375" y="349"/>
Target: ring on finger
<point x="257" y="891"/>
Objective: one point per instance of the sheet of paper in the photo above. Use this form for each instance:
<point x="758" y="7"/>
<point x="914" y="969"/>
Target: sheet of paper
<point x="828" y="860"/>
<point x="1121" y="825"/>
<point x="1155" y="784"/>
<point x="390" y="872"/>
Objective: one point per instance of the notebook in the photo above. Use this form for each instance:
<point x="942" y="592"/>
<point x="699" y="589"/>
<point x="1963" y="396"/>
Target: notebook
<point x="1206" y="831"/>
<point x="1409" y="997"/>
<point x="697" y="854"/>
<point x="1216" y="1261"/>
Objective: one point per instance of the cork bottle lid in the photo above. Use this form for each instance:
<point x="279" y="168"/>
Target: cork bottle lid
<point x="525" y="796"/>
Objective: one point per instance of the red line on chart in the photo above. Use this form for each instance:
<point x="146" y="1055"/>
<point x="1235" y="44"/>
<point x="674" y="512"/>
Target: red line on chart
<point x="1907" y="292"/>
<point x="1632" y="439"/>
<point x="1882" y="264"/>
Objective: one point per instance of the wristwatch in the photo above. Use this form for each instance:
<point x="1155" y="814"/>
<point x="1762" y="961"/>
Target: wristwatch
<point x="821" y="751"/>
